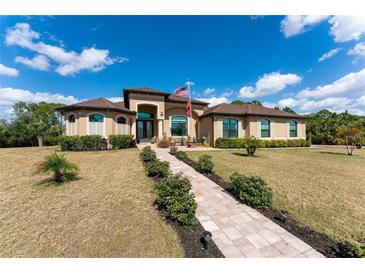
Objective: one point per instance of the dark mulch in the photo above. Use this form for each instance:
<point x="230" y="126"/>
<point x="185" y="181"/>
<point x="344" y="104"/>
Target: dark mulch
<point x="191" y="239"/>
<point x="319" y="241"/>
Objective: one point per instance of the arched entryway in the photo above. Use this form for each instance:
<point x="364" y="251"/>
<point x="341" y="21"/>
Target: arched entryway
<point x="146" y="123"/>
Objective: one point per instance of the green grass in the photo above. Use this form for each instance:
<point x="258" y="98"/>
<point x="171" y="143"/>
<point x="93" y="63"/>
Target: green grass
<point x="107" y="212"/>
<point x="321" y="188"/>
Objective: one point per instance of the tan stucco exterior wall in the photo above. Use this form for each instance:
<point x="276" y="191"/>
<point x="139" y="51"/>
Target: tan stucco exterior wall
<point x="172" y="109"/>
<point x="205" y="129"/>
<point x="109" y="120"/>
<point x="279" y="127"/>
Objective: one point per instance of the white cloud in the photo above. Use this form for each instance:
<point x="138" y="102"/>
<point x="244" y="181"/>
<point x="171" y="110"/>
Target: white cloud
<point x="208" y="91"/>
<point x="295" y="24"/>
<point x="9" y="96"/>
<point x="359" y="49"/>
<point x="345" y="28"/>
<point x="214" y="100"/>
<point x="228" y="93"/>
<point x="115" y="99"/>
<point x="350" y="84"/>
<point x="335" y="104"/>
<point x="269" y="84"/>
<point x="329" y="54"/>
<point x="4" y="70"/>
<point x="68" y="62"/>
<point x="40" y="62"/>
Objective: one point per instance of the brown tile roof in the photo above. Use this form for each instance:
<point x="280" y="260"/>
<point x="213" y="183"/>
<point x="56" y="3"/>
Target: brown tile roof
<point x="98" y="103"/>
<point x="169" y="97"/>
<point x="248" y="109"/>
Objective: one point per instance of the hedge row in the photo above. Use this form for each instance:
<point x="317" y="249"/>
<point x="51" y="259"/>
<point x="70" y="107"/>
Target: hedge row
<point x="173" y="192"/>
<point x="243" y="142"/>
<point x="94" y="142"/>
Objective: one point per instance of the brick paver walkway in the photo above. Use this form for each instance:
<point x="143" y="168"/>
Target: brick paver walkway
<point x="238" y="230"/>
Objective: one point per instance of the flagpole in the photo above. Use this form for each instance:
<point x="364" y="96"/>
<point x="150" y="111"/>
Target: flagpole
<point x="189" y="98"/>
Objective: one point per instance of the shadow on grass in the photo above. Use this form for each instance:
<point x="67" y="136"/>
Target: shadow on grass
<point x="49" y="182"/>
<point x="333" y="153"/>
<point x="243" y="154"/>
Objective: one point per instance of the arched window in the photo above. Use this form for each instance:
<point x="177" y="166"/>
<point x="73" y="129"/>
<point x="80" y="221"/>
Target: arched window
<point x="230" y="128"/>
<point x="265" y="128"/>
<point x="293" y="128"/>
<point x="179" y="126"/>
<point x="71" y="124"/>
<point x="121" y="125"/>
<point x="96" y="124"/>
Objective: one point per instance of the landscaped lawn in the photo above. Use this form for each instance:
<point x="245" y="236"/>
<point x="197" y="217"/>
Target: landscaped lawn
<point x="108" y="212"/>
<point x="321" y="188"/>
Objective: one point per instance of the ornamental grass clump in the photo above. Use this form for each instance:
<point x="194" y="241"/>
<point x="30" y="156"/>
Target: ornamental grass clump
<point x="61" y="168"/>
<point x="173" y="150"/>
<point x="174" y="196"/>
<point x="251" y="190"/>
<point x="205" y="164"/>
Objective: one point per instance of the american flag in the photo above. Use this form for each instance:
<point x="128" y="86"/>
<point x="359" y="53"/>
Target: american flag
<point x="182" y="91"/>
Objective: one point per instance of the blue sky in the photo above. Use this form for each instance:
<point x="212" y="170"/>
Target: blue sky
<point x="274" y="59"/>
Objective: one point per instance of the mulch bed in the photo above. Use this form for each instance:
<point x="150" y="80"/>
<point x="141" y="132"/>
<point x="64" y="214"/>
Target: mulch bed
<point x="191" y="239"/>
<point x="319" y="241"/>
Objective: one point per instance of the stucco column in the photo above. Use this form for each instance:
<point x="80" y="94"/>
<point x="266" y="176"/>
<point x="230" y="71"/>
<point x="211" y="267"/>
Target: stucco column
<point x="160" y="128"/>
<point x="133" y="128"/>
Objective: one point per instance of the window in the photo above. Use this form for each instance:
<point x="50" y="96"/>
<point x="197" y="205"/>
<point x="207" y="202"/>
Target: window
<point x="71" y="124"/>
<point x="230" y="128"/>
<point x="265" y="128"/>
<point x="179" y="126"/>
<point x="96" y="124"/>
<point x="144" y="115"/>
<point x="96" y="118"/>
<point x="121" y="125"/>
<point x="121" y="120"/>
<point x="72" y="118"/>
<point x="293" y="129"/>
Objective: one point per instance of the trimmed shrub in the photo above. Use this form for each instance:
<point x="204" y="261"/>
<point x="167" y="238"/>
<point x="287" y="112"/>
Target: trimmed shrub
<point x="158" y="168"/>
<point x="147" y="154"/>
<point x="244" y="142"/>
<point x="205" y="164"/>
<point x="163" y="143"/>
<point x="181" y="155"/>
<point x="90" y="142"/>
<point x="61" y="168"/>
<point x="251" y="145"/>
<point x="70" y="143"/>
<point x="173" y="195"/>
<point x="173" y="150"/>
<point x="120" y="141"/>
<point x="251" y="190"/>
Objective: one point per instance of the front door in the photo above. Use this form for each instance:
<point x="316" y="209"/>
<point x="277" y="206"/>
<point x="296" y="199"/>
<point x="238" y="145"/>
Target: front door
<point x="144" y="130"/>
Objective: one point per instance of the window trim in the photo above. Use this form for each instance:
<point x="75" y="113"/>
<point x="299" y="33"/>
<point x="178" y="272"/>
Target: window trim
<point x="126" y="123"/>
<point x="269" y="128"/>
<point x="68" y="123"/>
<point x="296" y="128"/>
<point x="230" y="118"/>
<point x="187" y="124"/>
<point x="88" y="123"/>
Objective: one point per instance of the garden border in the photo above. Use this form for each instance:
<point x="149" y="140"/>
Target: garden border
<point x="319" y="241"/>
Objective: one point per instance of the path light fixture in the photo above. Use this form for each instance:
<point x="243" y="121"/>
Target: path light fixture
<point x="207" y="237"/>
<point x="284" y="215"/>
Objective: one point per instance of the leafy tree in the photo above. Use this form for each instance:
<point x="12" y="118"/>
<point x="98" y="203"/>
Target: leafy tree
<point x="351" y="137"/>
<point x="288" y="109"/>
<point x="32" y="124"/>
<point x="239" y="102"/>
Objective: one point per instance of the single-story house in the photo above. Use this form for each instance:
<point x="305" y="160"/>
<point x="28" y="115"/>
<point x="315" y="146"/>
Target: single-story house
<point x="147" y="112"/>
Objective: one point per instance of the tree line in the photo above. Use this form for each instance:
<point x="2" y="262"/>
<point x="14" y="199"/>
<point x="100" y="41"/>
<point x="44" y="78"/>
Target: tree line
<point x="40" y="124"/>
